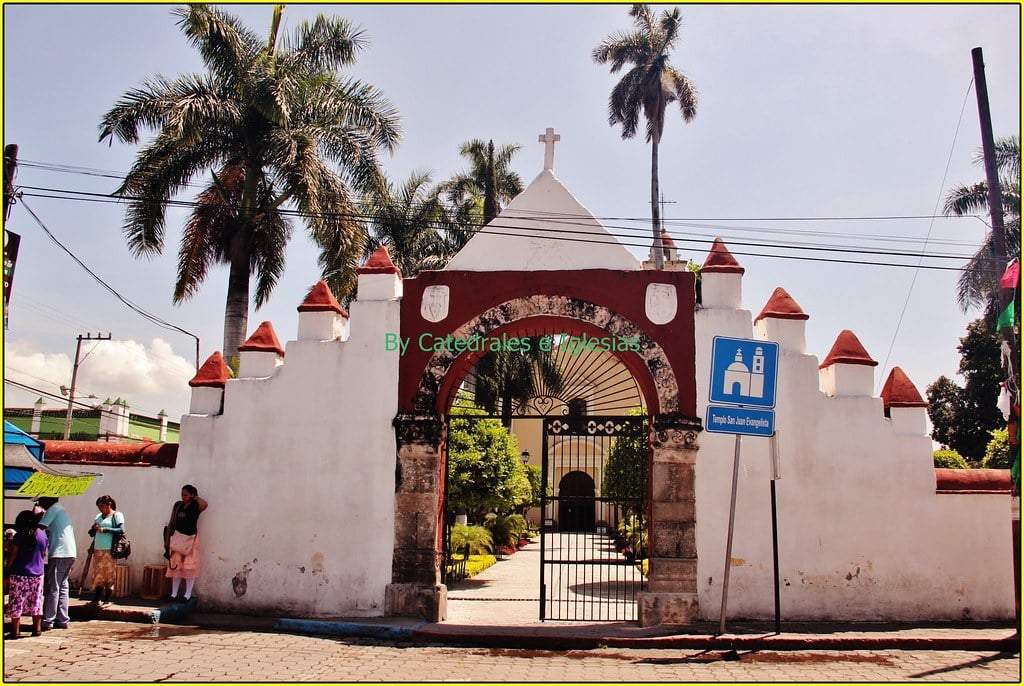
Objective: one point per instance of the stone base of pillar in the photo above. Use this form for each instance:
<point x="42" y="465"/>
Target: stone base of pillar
<point x="655" y="609"/>
<point x="417" y="600"/>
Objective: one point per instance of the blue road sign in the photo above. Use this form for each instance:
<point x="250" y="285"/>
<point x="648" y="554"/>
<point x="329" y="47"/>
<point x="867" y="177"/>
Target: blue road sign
<point x="740" y="420"/>
<point x="743" y="372"/>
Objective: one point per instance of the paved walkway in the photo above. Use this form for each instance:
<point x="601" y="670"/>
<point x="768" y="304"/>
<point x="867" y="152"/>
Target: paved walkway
<point x="508" y="593"/>
<point x="112" y="651"/>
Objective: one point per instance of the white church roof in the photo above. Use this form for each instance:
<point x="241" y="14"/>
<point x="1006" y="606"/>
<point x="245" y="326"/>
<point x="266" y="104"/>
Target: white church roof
<point x="536" y="218"/>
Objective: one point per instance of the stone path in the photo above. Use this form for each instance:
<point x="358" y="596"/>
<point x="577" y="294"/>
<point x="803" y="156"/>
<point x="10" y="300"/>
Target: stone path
<point x="508" y="593"/>
<point x="104" y="651"/>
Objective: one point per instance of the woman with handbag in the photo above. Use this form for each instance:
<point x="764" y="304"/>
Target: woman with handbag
<point x="106" y="529"/>
<point x="181" y="541"/>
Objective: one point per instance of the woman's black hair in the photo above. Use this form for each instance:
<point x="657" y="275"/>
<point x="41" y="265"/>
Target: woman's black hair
<point x="106" y="499"/>
<point x="25" y="524"/>
<point x="191" y="489"/>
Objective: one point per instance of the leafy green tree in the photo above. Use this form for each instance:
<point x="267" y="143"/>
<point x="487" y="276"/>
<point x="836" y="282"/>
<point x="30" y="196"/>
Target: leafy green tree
<point x="489" y="181"/>
<point x="650" y="86"/>
<point x="626" y="470"/>
<point x="979" y="282"/>
<point x="963" y="416"/>
<point x="949" y="459"/>
<point x="269" y="120"/>
<point x="997" y="452"/>
<point x="485" y="471"/>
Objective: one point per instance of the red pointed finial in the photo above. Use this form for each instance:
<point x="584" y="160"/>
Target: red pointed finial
<point x="900" y="391"/>
<point x="847" y="350"/>
<point x="263" y="340"/>
<point x="781" y="306"/>
<point x="720" y="260"/>
<point x="321" y="299"/>
<point x="379" y="263"/>
<point x="214" y="373"/>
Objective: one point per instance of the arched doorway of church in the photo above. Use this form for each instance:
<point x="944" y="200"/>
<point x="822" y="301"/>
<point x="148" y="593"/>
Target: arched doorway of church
<point x="576" y="509"/>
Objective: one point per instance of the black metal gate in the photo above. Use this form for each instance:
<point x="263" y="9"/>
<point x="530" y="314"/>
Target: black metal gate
<point x="593" y="548"/>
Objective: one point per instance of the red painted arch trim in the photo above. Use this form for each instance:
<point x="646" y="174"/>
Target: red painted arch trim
<point x="529" y="326"/>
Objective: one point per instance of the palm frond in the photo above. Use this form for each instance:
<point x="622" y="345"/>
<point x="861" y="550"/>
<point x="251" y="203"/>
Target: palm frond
<point x="624" y="102"/>
<point x="225" y="44"/>
<point x="325" y="44"/>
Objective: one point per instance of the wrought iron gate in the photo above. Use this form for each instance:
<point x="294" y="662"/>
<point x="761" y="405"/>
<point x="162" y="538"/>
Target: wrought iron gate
<point x="593" y="548"/>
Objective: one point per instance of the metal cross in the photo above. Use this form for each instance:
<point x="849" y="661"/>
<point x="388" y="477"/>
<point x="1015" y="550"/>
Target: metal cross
<point x="549" y="138"/>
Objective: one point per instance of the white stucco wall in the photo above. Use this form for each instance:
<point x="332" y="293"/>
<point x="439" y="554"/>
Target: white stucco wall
<point x="862" y="533"/>
<point x="300" y="474"/>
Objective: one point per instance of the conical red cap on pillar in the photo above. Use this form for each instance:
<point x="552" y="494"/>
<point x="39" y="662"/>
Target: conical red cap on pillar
<point x="781" y="306"/>
<point x="847" y="350"/>
<point x="213" y="373"/>
<point x="900" y="391"/>
<point x="720" y="260"/>
<point x="263" y="340"/>
<point x="379" y="263"/>
<point x="320" y="299"/>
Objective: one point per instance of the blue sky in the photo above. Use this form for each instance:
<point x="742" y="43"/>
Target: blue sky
<point x="803" y="111"/>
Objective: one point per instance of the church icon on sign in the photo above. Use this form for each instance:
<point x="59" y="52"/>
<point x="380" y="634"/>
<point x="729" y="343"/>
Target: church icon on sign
<point x="739" y="379"/>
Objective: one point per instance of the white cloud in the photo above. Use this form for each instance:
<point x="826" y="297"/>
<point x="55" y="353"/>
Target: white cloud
<point x="149" y="378"/>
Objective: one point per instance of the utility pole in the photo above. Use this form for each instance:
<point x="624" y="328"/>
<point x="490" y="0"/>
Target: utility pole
<point x="1003" y="297"/>
<point x="10" y="169"/>
<point x="74" y="377"/>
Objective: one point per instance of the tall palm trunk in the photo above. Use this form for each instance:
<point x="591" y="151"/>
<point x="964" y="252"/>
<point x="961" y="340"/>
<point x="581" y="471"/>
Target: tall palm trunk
<point x="236" y="309"/>
<point x="490" y="187"/>
<point x="659" y="259"/>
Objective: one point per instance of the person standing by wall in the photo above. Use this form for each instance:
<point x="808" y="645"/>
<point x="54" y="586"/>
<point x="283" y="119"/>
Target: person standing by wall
<point x="25" y="565"/>
<point x="181" y="541"/>
<point x="108" y="524"/>
<point x="61" y="535"/>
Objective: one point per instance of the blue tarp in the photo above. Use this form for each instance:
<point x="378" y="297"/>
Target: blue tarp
<point x="16" y="469"/>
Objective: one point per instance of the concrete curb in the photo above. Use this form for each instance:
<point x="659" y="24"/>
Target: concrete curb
<point x="436" y="634"/>
<point x="692" y="642"/>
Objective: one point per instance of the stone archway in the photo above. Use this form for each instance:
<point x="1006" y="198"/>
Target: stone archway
<point x="497" y="306"/>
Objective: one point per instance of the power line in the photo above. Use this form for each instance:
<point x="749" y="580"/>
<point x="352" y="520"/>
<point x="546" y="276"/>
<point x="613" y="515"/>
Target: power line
<point x="938" y="199"/>
<point x="132" y="306"/>
<point x="534" y="230"/>
<point x="62" y="397"/>
<point x="105" y="173"/>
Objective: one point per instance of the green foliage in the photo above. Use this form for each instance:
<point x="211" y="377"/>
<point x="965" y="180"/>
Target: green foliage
<point x="534" y="475"/>
<point x="272" y="125"/>
<point x="506" y="378"/>
<point x="997" y="452"/>
<point x="978" y="283"/>
<point x="963" y="416"/>
<point x="505" y="530"/>
<point x="626" y="470"/>
<point x="478" y="539"/>
<point x="634" y="530"/>
<point x="485" y="471"/>
<point x="950" y="459"/>
<point x="489" y="181"/>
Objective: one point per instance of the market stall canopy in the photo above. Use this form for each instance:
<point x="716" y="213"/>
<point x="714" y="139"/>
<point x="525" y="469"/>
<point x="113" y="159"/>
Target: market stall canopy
<point x="27" y="476"/>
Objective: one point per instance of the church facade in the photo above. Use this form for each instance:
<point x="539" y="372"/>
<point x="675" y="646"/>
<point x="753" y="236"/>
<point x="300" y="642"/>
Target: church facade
<point x="324" y="458"/>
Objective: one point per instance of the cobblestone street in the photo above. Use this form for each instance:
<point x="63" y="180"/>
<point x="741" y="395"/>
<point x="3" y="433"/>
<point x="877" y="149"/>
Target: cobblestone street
<point x="100" y="651"/>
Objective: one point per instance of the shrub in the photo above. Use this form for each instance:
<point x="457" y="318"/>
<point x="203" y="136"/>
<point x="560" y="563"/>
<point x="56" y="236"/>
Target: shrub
<point x="503" y="530"/>
<point x="477" y="538"/>
<point x="478" y="563"/>
<point x="949" y="459"/>
<point x="997" y="452"/>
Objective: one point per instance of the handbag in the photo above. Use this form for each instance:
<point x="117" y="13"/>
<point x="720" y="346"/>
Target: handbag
<point x="120" y="547"/>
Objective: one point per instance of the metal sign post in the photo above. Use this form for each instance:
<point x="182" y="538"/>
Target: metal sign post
<point x="744" y="376"/>
<point x="775" y="532"/>
<point x="728" y="542"/>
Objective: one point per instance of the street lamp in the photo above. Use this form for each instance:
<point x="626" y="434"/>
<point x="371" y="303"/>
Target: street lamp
<point x="525" y="455"/>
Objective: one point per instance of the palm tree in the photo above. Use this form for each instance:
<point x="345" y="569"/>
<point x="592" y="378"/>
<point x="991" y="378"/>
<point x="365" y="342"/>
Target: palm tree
<point x="651" y="85"/>
<point x="502" y="378"/>
<point x="488" y="178"/>
<point x="268" y="121"/>
<point x="978" y="283"/>
<point x="409" y="220"/>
